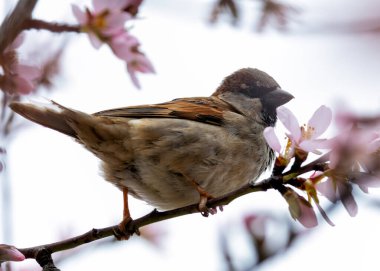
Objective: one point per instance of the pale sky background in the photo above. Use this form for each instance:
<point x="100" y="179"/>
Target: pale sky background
<point x="57" y="188"/>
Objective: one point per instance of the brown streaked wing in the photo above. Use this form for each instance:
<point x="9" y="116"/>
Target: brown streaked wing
<point x="202" y="109"/>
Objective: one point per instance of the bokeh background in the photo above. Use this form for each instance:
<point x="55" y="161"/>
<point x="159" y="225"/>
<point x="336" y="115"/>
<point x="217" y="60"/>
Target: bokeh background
<point x="328" y="53"/>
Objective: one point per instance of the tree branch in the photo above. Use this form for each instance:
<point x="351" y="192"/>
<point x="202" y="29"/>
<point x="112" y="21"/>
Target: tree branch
<point x="273" y="182"/>
<point x="318" y="164"/>
<point x="154" y="216"/>
<point x="52" y="27"/>
<point x="43" y="253"/>
<point x="14" y="22"/>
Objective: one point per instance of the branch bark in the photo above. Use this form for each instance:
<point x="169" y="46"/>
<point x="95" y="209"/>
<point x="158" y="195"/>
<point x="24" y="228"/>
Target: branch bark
<point x="52" y="27"/>
<point x="13" y="24"/>
<point x="154" y="216"/>
<point x="276" y="181"/>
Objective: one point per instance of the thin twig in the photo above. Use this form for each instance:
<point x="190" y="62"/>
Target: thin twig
<point x="52" y="27"/>
<point x="273" y="182"/>
<point x="318" y="164"/>
<point x="14" y="22"/>
<point x="154" y="216"/>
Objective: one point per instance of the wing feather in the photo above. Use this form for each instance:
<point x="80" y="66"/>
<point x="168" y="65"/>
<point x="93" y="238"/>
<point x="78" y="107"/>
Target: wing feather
<point x="208" y="110"/>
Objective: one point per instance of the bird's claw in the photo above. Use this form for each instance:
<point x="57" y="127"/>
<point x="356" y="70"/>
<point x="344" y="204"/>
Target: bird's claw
<point x="202" y="206"/>
<point x="126" y="229"/>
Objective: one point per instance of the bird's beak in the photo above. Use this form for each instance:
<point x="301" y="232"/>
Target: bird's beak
<point x="277" y="97"/>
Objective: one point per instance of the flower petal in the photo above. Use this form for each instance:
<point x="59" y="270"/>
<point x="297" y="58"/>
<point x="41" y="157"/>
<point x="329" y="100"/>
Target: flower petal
<point x="324" y="215"/>
<point x="365" y="181"/>
<point x="16" y="43"/>
<point x="334" y="158"/>
<point x="290" y="122"/>
<point x="272" y="139"/>
<point x="143" y="64"/>
<point x="120" y="4"/>
<point x="23" y="86"/>
<point x="28" y="72"/>
<point x="10" y="253"/>
<point x="122" y="45"/>
<point x="345" y="194"/>
<point x="320" y="120"/>
<point x="79" y="14"/>
<point x="300" y="209"/>
<point x="115" y="23"/>
<point x="95" y="41"/>
<point x="111" y="5"/>
<point x="308" y="218"/>
<point x="327" y="189"/>
<point x="132" y="75"/>
<point x="374" y="146"/>
<point x="316" y="144"/>
<point x="100" y="5"/>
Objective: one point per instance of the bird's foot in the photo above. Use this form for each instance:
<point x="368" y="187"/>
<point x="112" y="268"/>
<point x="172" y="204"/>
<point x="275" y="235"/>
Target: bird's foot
<point x="126" y="229"/>
<point x="202" y="206"/>
<point x="204" y="197"/>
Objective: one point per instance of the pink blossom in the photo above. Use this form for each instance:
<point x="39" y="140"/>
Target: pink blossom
<point x="272" y="139"/>
<point x="348" y="151"/>
<point x="256" y="225"/>
<point x="335" y="189"/>
<point x="16" y="43"/>
<point x="366" y="181"/>
<point x="123" y="46"/>
<point x="300" y="209"/>
<point x="107" y="19"/>
<point x="101" y="5"/>
<point x="344" y="191"/>
<point x="24" y="78"/>
<point x="328" y="189"/>
<point x="304" y="138"/>
<point x="17" y="78"/>
<point x="355" y="144"/>
<point x="139" y="63"/>
<point x="353" y="160"/>
<point x="356" y="151"/>
<point x="106" y="25"/>
<point x="10" y="253"/>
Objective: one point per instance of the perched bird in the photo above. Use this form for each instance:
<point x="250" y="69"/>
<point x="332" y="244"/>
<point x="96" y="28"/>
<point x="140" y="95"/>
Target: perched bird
<point x="180" y="152"/>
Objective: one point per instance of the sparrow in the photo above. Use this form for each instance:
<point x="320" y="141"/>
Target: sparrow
<point x="180" y="152"/>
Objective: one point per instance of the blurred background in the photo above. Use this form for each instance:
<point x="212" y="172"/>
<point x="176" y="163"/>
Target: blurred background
<point x="323" y="52"/>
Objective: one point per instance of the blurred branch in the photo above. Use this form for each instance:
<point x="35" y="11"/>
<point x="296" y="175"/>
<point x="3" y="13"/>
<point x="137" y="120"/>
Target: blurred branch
<point x="226" y="252"/>
<point x="273" y="10"/>
<point x="13" y="24"/>
<point x="228" y="6"/>
<point x="318" y="164"/>
<point x="52" y="27"/>
<point x="154" y="216"/>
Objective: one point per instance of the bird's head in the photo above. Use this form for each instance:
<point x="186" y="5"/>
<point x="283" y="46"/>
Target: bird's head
<point x="249" y="89"/>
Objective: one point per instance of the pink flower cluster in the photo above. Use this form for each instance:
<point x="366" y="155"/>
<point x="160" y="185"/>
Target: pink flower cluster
<point x="106" y="24"/>
<point x="352" y="159"/>
<point x="301" y="138"/>
<point x="17" y="78"/>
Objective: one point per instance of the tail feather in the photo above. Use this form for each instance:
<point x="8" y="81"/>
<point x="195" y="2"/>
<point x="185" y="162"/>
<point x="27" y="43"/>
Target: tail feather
<point x="51" y="118"/>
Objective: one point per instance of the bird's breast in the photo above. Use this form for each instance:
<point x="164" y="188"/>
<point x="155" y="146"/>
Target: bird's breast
<point x="169" y="155"/>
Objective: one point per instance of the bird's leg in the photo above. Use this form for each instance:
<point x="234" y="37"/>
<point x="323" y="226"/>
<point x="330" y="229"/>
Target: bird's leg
<point x="126" y="213"/>
<point x="204" y="197"/>
<point x="126" y="227"/>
